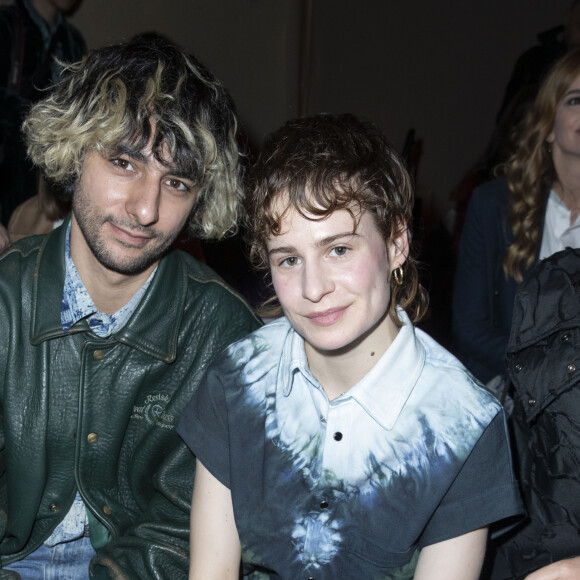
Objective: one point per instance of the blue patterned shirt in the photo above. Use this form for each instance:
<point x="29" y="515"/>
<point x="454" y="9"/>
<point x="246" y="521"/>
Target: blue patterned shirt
<point x="77" y="304"/>
<point x="413" y="454"/>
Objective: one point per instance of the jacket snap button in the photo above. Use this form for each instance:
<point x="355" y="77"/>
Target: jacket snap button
<point x="323" y="504"/>
<point x="531" y="401"/>
<point x="565" y="338"/>
<point x="108" y="511"/>
<point x="518" y="368"/>
<point x="338" y="436"/>
<point x="92" y="438"/>
<point x="98" y="355"/>
<point x="53" y="507"/>
<point x="571" y="367"/>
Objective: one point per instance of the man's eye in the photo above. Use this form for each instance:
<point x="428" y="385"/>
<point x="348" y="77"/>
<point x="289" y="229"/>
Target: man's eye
<point x="123" y="164"/>
<point x="177" y="184"/>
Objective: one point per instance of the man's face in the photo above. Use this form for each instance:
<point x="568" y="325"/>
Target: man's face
<point x="129" y="209"/>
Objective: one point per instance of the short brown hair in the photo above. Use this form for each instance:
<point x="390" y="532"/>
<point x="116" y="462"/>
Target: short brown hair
<point x="325" y="163"/>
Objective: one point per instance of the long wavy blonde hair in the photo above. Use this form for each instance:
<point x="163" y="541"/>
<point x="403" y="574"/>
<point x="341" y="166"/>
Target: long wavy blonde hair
<point x="530" y="171"/>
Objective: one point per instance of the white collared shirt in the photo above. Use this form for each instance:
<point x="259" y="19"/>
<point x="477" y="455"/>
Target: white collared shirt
<point x="558" y="233"/>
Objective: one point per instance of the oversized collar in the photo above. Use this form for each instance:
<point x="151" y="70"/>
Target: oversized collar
<point x="154" y="326"/>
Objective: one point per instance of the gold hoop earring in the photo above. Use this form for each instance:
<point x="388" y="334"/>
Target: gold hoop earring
<point x="398" y="276"/>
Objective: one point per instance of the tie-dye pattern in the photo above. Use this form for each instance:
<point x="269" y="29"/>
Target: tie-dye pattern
<point x="347" y="488"/>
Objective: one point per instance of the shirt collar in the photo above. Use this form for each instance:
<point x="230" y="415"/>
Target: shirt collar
<point x="383" y="391"/>
<point x="155" y="325"/>
<point x="77" y="303"/>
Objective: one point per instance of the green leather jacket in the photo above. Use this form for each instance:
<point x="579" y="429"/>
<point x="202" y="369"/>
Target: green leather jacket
<point x="79" y="412"/>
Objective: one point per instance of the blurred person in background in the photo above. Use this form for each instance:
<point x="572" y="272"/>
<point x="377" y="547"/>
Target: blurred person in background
<point x="511" y="223"/>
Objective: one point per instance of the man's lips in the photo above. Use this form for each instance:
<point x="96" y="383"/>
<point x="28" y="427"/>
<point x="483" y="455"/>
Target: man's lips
<point x="131" y="238"/>
<point x="326" y="317"/>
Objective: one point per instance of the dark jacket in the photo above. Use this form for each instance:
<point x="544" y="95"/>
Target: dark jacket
<point x="483" y="297"/>
<point x="544" y="368"/>
<point x="98" y="415"/>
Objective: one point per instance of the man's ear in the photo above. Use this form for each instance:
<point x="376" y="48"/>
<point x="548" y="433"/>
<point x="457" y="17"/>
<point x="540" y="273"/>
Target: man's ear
<point x="399" y="246"/>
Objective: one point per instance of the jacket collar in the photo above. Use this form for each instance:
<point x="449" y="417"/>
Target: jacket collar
<point x="548" y="301"/>
<point x="154" y="326"/>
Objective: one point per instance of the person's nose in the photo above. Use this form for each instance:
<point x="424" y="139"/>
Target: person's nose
<point x="144" y="200"/>
<point x="316" y="282"/>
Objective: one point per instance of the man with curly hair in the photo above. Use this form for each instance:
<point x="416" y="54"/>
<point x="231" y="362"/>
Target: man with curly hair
<point x="106" y="331"/>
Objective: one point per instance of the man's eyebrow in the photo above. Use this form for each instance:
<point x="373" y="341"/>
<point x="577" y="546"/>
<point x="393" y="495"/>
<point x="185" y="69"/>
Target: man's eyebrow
<point x="138" y="155"/>
<point x="124" y="149"/>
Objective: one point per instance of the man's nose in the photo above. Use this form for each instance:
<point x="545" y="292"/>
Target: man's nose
<point x="144" y="200"/>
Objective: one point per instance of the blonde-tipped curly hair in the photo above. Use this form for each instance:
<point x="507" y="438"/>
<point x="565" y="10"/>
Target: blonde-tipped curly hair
<point x="128" y="95"/>
<point x="324" y="163"/>
<point x="530" y="171"/>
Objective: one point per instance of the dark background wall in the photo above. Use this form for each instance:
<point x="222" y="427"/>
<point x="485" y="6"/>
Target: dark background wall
<point x="437" y="66"/>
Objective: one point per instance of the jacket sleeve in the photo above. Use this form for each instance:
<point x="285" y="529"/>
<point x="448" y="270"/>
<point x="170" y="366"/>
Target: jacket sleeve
<point x="156" y="544"/>
<point x="481" y="338"/>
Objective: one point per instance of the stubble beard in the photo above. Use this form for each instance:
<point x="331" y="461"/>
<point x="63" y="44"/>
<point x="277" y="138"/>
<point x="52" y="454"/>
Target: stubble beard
<point x="91" y="224"/>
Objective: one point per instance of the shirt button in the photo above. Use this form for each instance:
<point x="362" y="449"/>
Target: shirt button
<point x="571" y="367"/>
<point x="92" y="438"/>
<point x="518" y="368"/>
<point x="108" y="511"/>
<point x="531" y="401"/>
<point x="565" y="338"/>
<point x="53" y="507"/>
<point x="323" y="504"/>
<point x="338" y="436"/>
<point x="98" y="354"/>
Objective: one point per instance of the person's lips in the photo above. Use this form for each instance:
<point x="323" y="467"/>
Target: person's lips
<point x="326" y="317"/>
<point x="126" y="235"/>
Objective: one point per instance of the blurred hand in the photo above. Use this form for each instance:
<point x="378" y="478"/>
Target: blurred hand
<point x="4" y="240"/>
<point x="568" y="569"/>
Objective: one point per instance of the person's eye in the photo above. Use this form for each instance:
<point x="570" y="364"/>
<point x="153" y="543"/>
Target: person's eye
<point x="122" y="164"/>
<point x="339" y="251"/>
<point x="573" y="101"/>
<point x="178" y="185"/>
<point x="289" y="261"/>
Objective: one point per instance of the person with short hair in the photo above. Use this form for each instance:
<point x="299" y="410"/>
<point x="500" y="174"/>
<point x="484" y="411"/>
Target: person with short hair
<point x="339" y="441"/>
<point x="106" y="331"/>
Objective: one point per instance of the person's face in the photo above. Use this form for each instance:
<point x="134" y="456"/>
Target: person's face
<point x="127" y="210"/>
<point x="333" y="282"/>
<point x="565" y="135"/>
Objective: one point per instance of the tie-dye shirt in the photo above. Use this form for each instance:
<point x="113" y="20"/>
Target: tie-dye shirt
<point x="413" y="454"/>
